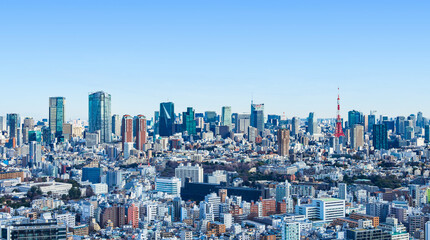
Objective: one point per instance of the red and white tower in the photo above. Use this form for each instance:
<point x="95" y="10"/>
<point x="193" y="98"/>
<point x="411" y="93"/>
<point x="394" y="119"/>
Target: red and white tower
<point x="339" y="130"/>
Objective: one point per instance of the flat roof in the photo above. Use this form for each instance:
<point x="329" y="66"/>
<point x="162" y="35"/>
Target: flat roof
<point x="330" y="199"/>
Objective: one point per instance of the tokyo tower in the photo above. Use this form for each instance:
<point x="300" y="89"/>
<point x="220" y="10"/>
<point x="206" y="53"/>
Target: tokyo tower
<point x="339" y="130"/>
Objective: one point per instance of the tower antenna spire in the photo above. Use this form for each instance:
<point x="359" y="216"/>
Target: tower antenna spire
<point x="339" y="130"/>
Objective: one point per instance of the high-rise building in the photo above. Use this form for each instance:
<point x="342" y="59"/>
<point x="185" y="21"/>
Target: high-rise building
<point x="13" y="124"/>
<point x="126" y="130"/>
<point x="283" y="142"/>
<point x="371" y="120"/>
<point x="357" y="136"/>
<point x="409" y="133"/>
<point x="243" y="121"/>
<point x="356" y="117"/>
<point x="92" y="174"/>
<point x="99" y="115"/>
<point x="193" y="173"/>
<point x="56" y="115"/>
<point x="188" y="122"/>
<point x="290" y="231"/>
<point x="257" y="117"/>
<point x="170" y="186"/>
<point x="2" y="124"/>
<point x="427" y="133"/>
<point x="177" y="206"/>
<point x="35" y="154"/>
<point x="400" y="125"/>
<point x="140" y="131"/>
<point x="226" y="116"/>
<point x="295" y="125"/>
<point x="312" y="124"/>
<point x="133" y="216"/>
<point x="380" y="210"/>
<point x="116" y="125"/>
<point x="343" y="193"/>
<point x="114" y="179"/>
<point x="283" y="191"/>
<point x="210" y="117"/>
<point x="427" y="231"/>
<point x="380" y="136"/>
<point x="166" y="126"/>
<point x="214" y="200"/>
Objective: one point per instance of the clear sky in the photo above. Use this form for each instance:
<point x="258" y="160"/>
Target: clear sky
<point x="291" y="55"/>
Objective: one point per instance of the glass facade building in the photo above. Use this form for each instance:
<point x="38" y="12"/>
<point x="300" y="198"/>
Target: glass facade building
<point x="13" y="123"/>
<point x="226" y="116"/>
<point x="166" y="119"/>
<point x="380" y="136"/>
<point x="56" y="115"/>
<point x="99" y="115"/>
<point x="257" y="117"/>
<point x="188" y="122"/>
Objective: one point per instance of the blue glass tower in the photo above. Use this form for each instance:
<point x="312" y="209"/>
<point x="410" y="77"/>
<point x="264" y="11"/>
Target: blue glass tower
<point x="56" y="115"/>
<point x="167" y="119"/>
<point x="99" y="115"/>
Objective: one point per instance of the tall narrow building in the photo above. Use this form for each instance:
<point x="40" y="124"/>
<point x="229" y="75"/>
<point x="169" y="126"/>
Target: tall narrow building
<point x="116" y="125"/>
<point x="99" y="115"/>
<point x="56" y="115"/>
<point x="13" y="124"/>
<point x="283" y="142"/>
<point x="166" y="126"/>
<point x="126" y="130"/>
<point x="257" y="116"/>
<point x="295" y="125"/>
<point x="380" y="136"/>
<point x="226" y="116"/>
<point x="357" y="136"/>
<point x="140" y="131"/>
<point x="188" y="122"/>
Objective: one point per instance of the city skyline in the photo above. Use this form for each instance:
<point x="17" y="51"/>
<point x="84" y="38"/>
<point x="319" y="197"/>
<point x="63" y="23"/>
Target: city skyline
<point x="287" y="55"/>
<point x="344" y="113"/>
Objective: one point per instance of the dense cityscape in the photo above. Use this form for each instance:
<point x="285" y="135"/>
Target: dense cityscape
<point x="213" y="175"/>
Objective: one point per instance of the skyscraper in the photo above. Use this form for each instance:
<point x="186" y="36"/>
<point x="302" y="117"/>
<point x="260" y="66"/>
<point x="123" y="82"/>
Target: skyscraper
<point x="2" y="123"/>
<point x="257" y="116"/>
<point x="380" y="136"/>
<point x="56" y="115"/>
<point x="116" y="125"/>
<point x="312" y="125"/>
<point x="140" y="131"/>
<point x="126" y="130"/>
<point x="243" y="121"/>
<point x="371" y="120"/>
<point x="427" y="133"/>
<point x="295" y="124"/>
<point x="355" y="117"/>
<point x="342" y="191"/>
<point x="167" y="119"/>
<point x="188" y="122"/>
<point x="357" y="136"/>
<point x="283" y="141"/>
<point x="99" y="115"/>
<point x="13" y="124"/>
<point x="226" y="116"/>
<point x="400" y="125"/>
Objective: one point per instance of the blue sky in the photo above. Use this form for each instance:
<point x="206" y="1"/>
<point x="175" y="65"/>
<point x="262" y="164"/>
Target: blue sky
<point x="290" y="55"/>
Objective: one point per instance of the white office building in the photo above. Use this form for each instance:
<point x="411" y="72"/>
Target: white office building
<point x="170" y="186"/>
<point x="193" y="173"/>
